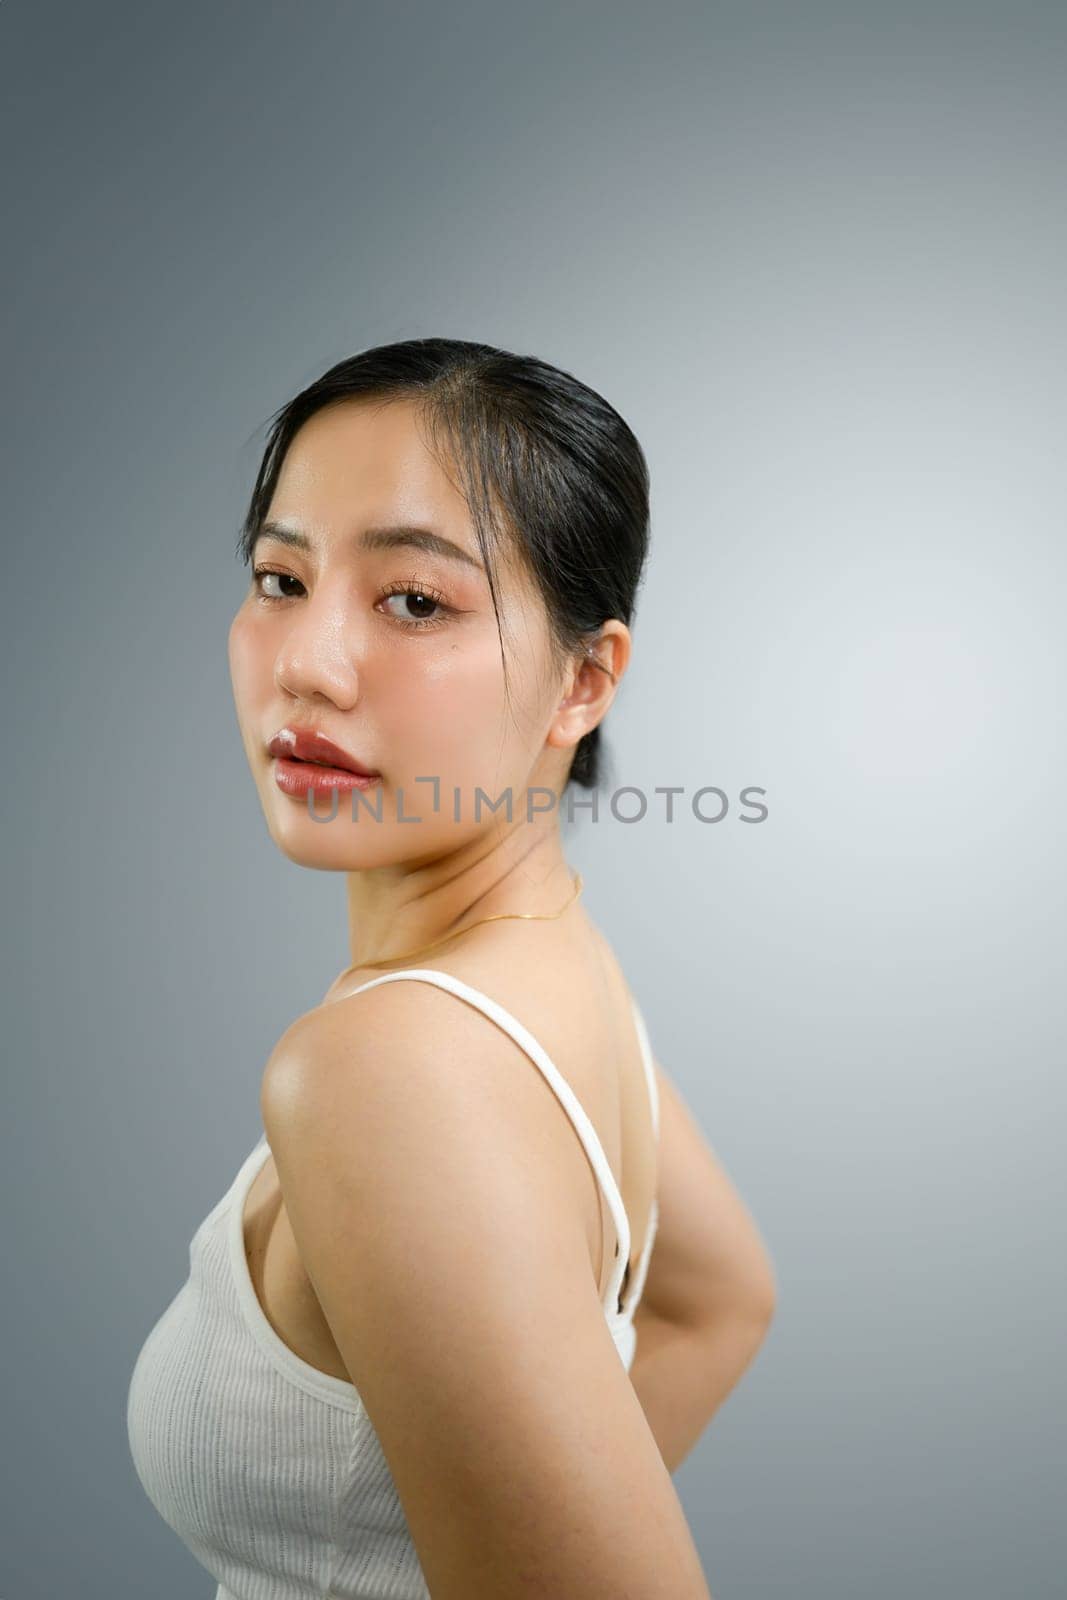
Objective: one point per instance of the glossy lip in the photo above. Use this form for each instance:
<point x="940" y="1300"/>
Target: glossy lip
<point x="304" y="778"/>
<point x="307" y="744"/>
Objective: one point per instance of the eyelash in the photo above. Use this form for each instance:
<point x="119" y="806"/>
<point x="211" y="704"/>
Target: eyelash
<point x="412" y="586"/>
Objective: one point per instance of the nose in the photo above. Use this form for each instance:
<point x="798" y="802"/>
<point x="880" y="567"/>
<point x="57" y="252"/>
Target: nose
<point x="319" y="653"/>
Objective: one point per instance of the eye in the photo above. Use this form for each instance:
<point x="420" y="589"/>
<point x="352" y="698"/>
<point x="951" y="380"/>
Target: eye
<point x="423" y="597"/>
<point x="415" y="595"/>
<point x="269" y="572"/>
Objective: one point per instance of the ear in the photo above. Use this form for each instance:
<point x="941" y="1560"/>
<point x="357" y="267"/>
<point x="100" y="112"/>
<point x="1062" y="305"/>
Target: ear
<point x="591" y="685"/>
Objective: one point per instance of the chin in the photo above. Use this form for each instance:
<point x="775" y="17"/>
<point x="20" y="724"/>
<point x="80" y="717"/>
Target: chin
<point x="325" y="849"/>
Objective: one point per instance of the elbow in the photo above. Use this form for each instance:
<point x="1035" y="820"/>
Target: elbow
<point x="749" y="1303"/>
<point x="750" y="1288"/>
<point x="766" y="1298"/>
<point x="757" y="1297"/>
<point x="755" y="1308"/>
<point x="766" y="1307"/>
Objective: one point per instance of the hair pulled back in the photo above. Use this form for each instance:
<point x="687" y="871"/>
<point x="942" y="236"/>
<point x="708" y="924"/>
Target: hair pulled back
<point x="545" y="464"/>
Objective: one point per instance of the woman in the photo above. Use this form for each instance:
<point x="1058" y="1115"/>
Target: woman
<point x="425" y="1346"/>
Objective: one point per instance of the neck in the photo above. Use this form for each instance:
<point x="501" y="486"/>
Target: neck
<point x="403" y="907"/>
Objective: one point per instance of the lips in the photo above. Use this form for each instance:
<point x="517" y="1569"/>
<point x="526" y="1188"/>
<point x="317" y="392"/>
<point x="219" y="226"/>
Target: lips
<point x="306" y="744"/>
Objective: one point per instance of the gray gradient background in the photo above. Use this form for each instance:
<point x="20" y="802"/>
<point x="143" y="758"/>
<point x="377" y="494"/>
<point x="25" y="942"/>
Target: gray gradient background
<point x="816" y="256"/>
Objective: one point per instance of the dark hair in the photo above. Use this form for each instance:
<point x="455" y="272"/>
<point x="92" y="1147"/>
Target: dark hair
<point x="530" y="442"/>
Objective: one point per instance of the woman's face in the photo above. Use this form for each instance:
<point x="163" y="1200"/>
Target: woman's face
<point x="388" y="648"/>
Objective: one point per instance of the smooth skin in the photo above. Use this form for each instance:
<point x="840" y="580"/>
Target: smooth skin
<point x="428" y="1224"/>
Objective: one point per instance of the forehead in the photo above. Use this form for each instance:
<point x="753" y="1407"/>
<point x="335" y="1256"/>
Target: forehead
<point x="369" y="461"/>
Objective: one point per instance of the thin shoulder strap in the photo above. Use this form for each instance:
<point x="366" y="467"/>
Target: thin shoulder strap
<point x="563" y="1091"/>
<point x="635" y="1286"/>
<point x="648" y="1064"/>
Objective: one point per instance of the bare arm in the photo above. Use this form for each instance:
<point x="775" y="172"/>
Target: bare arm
<point x="710" y="1293"/>
<point x="682" y="1375"/>
<point x="709" y="1256"/>
<point x="437" y="1199"/>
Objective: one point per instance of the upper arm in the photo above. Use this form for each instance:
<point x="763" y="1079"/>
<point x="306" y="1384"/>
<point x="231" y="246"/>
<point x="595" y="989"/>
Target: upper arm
<point x="708" y="1253"/>
<point x="432" y="1194"/>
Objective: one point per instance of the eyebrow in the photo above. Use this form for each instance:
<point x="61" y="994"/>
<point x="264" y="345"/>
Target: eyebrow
<point x="392" y="537"/>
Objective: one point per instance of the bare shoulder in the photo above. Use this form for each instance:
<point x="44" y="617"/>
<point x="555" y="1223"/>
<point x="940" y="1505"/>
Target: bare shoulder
<point x="417" y="1053"/>
<point x="430" y="1186"/>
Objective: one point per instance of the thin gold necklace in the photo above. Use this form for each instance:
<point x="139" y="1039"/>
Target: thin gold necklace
<point x="532" y="916"/>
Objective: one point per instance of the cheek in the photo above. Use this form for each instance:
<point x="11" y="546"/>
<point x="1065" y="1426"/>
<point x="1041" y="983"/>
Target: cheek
<point x="250" y="671"/>
<point x="452" y="701"/>
<point x="242" y="642"/>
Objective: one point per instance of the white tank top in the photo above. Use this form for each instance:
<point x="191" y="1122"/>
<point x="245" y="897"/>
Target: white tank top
<point x="268" y="1468"/>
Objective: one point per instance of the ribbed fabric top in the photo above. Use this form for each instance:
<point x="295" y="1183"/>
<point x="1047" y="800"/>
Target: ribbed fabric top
<point x="268" y="1468"/>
